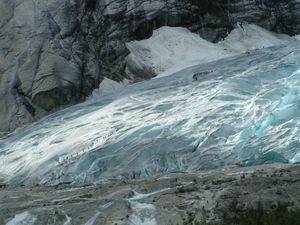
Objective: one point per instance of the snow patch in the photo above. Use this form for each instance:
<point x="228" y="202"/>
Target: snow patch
<point x="247" y="37"/>
<point x="171" y="49"/>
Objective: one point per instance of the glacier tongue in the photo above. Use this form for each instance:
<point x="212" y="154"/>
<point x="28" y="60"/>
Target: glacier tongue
<point x="245" y="110"/>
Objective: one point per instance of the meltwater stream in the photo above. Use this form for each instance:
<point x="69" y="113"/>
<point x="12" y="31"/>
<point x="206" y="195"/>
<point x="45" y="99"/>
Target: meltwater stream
<point x="143" y="213"/>
<point x="240" y="110"/>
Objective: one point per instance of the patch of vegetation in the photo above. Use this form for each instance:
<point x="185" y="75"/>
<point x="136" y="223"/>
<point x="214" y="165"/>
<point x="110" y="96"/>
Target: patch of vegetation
<point x="186" y="189"/>
<point x="254" y="216"/>
<point x="259" y="216"/>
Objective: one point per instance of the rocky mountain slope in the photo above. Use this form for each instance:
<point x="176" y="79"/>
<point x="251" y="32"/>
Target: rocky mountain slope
<point x="54" y="53"/>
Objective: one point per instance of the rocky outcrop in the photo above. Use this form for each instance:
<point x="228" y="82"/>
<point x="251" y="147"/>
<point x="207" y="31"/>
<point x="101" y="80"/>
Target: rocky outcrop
<point x="236" y="195"/>
<point x="54" y="53"/>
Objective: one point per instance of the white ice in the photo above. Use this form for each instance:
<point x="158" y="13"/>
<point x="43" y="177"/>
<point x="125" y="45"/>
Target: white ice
<point x="247" y="37"/>
<point x="171" y="49"/>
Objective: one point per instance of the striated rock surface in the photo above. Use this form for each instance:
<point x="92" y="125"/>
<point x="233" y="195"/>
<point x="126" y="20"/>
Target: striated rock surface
<point x="54" y="53"/>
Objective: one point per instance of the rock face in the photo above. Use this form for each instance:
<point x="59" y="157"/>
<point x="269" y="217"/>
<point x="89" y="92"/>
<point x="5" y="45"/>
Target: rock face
<point x="54" y="53"/>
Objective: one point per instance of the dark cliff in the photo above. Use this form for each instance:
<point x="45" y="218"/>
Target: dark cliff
<point x="54" y="53"/>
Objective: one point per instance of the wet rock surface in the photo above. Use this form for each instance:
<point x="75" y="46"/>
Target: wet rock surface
<point x="54" y="53"/>
<point x="166" y="199"/>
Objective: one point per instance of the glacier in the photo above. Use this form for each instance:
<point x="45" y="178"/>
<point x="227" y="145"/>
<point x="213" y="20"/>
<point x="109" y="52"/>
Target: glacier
<point x="242" y="110"/>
